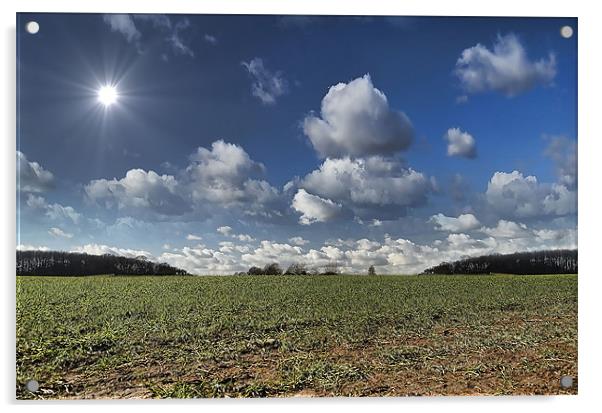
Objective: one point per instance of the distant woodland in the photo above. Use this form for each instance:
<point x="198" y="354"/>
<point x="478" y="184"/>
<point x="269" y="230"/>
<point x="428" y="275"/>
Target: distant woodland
<point x="539" y="262"/>
<point x="70" y="263"/>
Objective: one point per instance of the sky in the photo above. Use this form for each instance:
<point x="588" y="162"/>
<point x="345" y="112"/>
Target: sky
<point x="233" y="141"/>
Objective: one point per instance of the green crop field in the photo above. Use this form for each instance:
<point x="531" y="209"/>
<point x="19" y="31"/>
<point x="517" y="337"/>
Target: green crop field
<point x="254" y="336"/>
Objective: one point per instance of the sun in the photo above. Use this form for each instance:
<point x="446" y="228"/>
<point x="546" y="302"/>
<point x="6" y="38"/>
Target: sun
<point x="107" y="95"/>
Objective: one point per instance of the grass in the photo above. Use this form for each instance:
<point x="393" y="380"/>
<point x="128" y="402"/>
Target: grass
<point x="257" y="336"/>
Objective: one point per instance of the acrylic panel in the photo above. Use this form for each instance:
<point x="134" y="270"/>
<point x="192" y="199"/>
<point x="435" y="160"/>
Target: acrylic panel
<point x="309" y="206"/>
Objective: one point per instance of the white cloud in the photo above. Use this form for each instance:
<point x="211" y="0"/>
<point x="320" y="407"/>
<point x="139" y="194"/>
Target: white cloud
<point x="374" y="187"/>
<point x="314" y="208"/>
<point x="177" y="42"/>
<point x="567" y="235"/>
<point x="139" y="190"/>
<point x="192" y="237"/>
<point x="507" y="229"/>
<point x="210" y="38"/>
<point x="269" y="252"/>
<point x="267" y="86"/>
<point x="391" y="256"/>
<point x="225" y="230"/>
<point x="27" y="247"/>
<point x="53" y="211"/>
<point x="299" y="241"/>
<point x="563" y="151"/>
<point x="201" y="260"/>
<point x="356" y="120"/>
<point x="124" y="24"/>
<point x="57" y="232"/>
<point x="223" y="176"/>
<point x="244" y="237"/>
<point x="226" y="175"/>
<point x="31" y="176"/>
<point x="462" y="223"/>
<point x="460" y="143"/>
<point x="376" y="223"/>
<point x="514" y="195"/>
<point x="101" y="249"/>
<point x="506" y="69"/>
<point x="172" y="34"/>
<point x="560" y="201"/>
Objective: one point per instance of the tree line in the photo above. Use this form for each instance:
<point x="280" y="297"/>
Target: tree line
<point x="296" y="268"/>
<point x="72" y="263"/>
<point x="538" y="262"/>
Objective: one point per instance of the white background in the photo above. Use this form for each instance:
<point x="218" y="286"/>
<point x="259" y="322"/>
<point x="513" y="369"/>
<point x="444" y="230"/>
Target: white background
<point x="590" y="149"/>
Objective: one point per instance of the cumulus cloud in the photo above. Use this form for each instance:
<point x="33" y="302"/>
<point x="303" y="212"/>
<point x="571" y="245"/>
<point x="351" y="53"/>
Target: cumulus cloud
<point x="269" y="251"/>
<point x="373" y="187"/>
<point x="202" y="260"/>
<point x="101" y="249"/>
<point x="57" y="232"/>
<point x="314" y="208"/>
<point x="244" y="237"/>
<point x="376" y="223"/>
<point x="53" y="211"/>
<point x="563" y="151"/>
<point x="225" y="230"/>
<point x="390" y="256"/>
<point x="462" y="223"/>
<point x="267" y="86"/>
<point x="299" y="241"/>
<point x="514" y="195"/>
<point x="507" y="229"/>
<point x="192" y="237"/>
<point x="506" y="69"/>
<point x="560" y="201"/>
<point x="27" y="247"/>
<point x="139" y="190"/>
<point x="460" y="143"/>
<point x="225" y="174"/>
<point x="31" y="176"/>
<point x="356" y="120"/>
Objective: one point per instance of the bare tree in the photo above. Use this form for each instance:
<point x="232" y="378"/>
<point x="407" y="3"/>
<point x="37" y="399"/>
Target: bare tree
<point x="296" y="269"/>
<point x="371" y="270"/>
<point x="332" y="268"/>
<point x="272" y="269"/>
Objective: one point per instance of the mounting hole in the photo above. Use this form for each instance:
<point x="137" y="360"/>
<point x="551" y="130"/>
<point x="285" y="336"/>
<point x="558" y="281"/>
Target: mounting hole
<point x="566" y="32"/>
<point x="32" y="27"/>
<point x="32" y="385"/>
<point x="566" y="382"/>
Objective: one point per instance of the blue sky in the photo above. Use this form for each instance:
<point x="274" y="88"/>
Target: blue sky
<point x="397" y="142"/>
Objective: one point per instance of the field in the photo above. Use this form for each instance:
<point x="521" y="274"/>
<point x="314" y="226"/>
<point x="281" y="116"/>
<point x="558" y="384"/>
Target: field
<point x="276" y="336"/>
